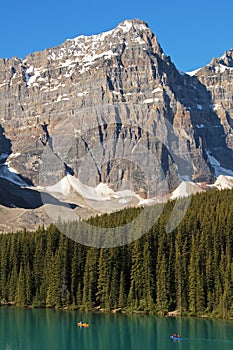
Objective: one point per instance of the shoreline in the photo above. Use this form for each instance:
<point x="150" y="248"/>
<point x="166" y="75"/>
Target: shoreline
<point x="119" y="311"/>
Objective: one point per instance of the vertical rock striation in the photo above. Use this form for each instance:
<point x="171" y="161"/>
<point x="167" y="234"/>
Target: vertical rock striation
<point x="113" y="108"/>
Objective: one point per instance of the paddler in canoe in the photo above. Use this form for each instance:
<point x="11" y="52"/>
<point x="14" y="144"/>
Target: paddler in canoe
<point x="83" y="324"/>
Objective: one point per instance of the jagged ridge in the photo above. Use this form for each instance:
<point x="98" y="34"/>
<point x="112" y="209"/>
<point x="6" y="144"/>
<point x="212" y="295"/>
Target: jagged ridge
<point x="113" y="108"/>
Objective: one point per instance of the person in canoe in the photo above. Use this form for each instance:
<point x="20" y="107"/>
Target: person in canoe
<point x="175" y="337"/>
<point x="83" y="324"/>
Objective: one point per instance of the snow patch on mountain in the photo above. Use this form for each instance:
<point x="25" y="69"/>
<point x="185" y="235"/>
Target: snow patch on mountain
<point x="101" y="197"/>
<point x="186" y="189"/>
<point x="218" y="169"/>
<point x="11" y="175"/>
<point x="223" y="182"/>
<point x="63" y="187"/>
<point x="82" y="52"/>
<point x="220" y="68"/>
<point x="192" y="73"/>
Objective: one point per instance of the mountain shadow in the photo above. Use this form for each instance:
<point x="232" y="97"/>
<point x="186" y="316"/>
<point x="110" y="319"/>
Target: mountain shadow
<point x="13" y="196"/>
<point x="5" y="146"/>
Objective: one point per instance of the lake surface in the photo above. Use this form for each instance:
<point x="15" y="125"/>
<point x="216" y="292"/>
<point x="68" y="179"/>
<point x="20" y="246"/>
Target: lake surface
<point x="25" y="329"/>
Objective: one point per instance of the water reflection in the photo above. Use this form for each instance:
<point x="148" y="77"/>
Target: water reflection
<point x="25" y="329"/>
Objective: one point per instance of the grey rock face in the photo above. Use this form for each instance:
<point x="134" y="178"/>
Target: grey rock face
<point x="218" y="79"/>
<point x="113" y="108"/>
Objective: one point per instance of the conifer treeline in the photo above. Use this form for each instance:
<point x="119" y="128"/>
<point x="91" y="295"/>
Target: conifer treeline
<point x="189" y="270"/>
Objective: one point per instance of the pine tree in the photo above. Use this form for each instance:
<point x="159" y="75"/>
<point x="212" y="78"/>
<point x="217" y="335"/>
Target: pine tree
<point x="103" y="284"/>
<point x="90" y="279"/>
<point x="162" y="302"/>
<point x="21" y="298"/>
<point x="122" y="301"/>
<point x="136" y="282"/>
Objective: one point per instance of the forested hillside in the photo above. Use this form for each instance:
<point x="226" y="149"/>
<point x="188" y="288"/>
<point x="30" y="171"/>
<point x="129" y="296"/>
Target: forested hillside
<point x="189" y="270"/>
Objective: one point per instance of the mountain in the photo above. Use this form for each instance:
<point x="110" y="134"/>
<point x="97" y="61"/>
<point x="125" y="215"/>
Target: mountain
<point x="217" y="78"/>
<point x="113" y="109"/>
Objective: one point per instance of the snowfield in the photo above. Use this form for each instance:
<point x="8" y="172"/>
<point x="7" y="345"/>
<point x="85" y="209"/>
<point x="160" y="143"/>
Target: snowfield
<point x="104" y="199"/>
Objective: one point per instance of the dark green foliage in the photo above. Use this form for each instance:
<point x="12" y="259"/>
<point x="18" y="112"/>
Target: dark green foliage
<point x="189" y="269"/>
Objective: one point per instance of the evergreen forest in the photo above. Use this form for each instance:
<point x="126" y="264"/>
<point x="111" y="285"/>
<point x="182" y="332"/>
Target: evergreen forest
<point x="188" y="270"/>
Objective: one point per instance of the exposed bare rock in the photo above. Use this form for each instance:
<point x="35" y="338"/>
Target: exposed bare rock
<point x="218" y="79"/>
<point x="113" y="108"/>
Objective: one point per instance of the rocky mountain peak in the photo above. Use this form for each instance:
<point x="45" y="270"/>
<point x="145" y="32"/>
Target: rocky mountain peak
<point x="222" y="63"/>
<point x="134" y="27"/>
<point x="128" y="33"/>
<point x="217" y="78"/>
<point x="140" y="31"/>
<point x="227" y="58"/>
<point x="133" y="24"/>
<point x="112" y="108"/>
<point x="81" y="54"/>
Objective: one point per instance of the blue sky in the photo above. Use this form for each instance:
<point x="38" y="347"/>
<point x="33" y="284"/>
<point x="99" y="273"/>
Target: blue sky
<point x="191" y="32"/>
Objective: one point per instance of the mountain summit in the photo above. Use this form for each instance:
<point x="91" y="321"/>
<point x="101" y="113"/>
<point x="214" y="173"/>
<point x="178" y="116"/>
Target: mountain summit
<point x="112" y="108"/>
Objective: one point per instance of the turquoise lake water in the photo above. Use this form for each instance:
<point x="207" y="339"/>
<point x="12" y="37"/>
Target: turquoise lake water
<point x="25" y="329"/>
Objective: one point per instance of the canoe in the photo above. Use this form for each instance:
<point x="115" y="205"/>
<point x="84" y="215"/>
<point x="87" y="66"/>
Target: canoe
<point x="175" y="338"/>
<point x="82" y="324"/>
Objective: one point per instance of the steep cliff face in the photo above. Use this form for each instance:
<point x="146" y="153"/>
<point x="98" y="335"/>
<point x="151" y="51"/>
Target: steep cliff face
<point x="113" y="108"/>
<point x="218" y="79"/>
